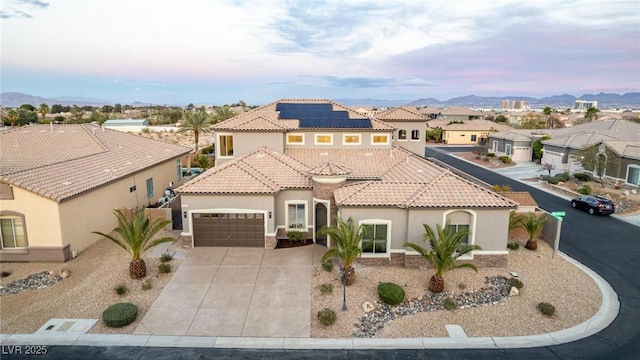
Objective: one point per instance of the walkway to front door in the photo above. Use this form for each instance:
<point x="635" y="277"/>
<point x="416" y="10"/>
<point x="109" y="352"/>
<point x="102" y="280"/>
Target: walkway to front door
<point x="237" y="292"/>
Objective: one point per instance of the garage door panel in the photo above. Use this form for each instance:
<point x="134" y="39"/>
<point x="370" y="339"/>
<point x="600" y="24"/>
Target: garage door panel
<point x="233" y="230"/>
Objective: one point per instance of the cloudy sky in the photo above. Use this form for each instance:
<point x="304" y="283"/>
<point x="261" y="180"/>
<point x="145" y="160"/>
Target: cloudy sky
<point x="216" y="51"/>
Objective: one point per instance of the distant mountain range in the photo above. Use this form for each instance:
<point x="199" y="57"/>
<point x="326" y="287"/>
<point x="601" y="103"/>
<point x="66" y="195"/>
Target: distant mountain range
<point x="605" y="101"/>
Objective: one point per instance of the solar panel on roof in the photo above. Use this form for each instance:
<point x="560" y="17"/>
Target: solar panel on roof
<point x="320" y="116"/>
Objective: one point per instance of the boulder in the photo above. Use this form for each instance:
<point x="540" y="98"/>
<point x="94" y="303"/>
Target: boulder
<point x="514" y="291"/>
<point x="367" y="307"/>
<point x="64" y="273"/>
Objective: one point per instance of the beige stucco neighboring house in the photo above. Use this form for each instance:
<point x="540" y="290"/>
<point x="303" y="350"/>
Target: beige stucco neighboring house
<point x="410" y="129"/>
<point x="466" y="132"/>
<point x="58" y="183"/>
<point x="297" y="165"/>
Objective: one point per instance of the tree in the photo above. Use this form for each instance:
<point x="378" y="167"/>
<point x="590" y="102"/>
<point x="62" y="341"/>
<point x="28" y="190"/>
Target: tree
<point x="347" y="238"/>
<point x="591" y="114"/>
<point x="549" y="120"/>
<point x="117" y="108"/>
<point x="223" y="113"/>
<point x="107" y="109"/>
<point x="56" y="109"/>
<point x="537" y="146"/>
<point x="548" y="167"/>
<point x="445" y="247"/>
<point x="501" y="118"/>
<point x="532" y="121"/>
<point x="514" y="220"/>
<point x="203" y="161"/>
<point x="28" y="107"/>
<point x="599" y="158"/>
<point x="43" y="109"/>
<point x="11" y="118"/>
<point x="136" y="237"/>
<point x="532" y="223"/>
<point x="480" y="150"/>
<point x="26" y="116"/>
<point x="76" y="114"/>
<point x="196" y="122"/>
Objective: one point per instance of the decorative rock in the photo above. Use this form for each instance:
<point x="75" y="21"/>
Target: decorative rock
<point x="367" y="306"/>
<point x="32" y="282"/>
<point x="64" y="273"/>
<point x="514" y="291"/>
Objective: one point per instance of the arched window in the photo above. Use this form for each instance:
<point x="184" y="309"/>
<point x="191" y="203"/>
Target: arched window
<point x="460" y="220"/>
<point x="402" y="134"/>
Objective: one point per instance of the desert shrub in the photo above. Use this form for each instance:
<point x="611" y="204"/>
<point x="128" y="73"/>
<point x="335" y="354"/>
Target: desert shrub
<point x="166" y="257"/>
<point x="501" y="188"/>
<point x="121" y="289"/>
<point x="585" y="190"/>
<point x="164" y="268"/>
<point x="553" y="180"/>
<point x="5" y="273"/>
<point x="119" y="315"/>
<point x="505" y="159"/>
<point x="326" y="288"/>
<point x="462" y="286"/>
<point x="391" y="293"/>
<point x="513" y="282"/>
<point x="146" y="285"/>
<point x="326" y="316"/>
<point x="327" y="265"/>
<point x="546" y="308"/>
<point x="295" y="235"/>
<point x="491" y="154"/>
<point x="449" y="304"/>
<point x="513" y="246"/>
<point x="564" y="176"/>
<point x="582" y="177"/>
<point x="485" y="159"/>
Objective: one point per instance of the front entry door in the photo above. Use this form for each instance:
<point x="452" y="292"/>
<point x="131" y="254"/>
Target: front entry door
<point x="321" y="220"/>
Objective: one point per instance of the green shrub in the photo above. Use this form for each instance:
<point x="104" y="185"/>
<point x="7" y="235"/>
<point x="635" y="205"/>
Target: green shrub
<point x="327" y="316"/>
<point x="582" y="177"/>
<point x="449" y="304"/>
<point x="327" y="265"/>
<point x="295" y="235"/>
<point x="501" y="188"/>
<point x="119" y="315"/>
<point x="513" y="246"/>
<point x="391" y="293"/>
<point x="326" y="288"/>
<point x="164" y="268"/>
<point x="147" y="285"/>
<point x="585" y="190"/>
<point x="491" y="154"/>
<point x="564" y="176"/>
<point x="515" y="283"/>
<point x="546" y="308"/>
<point x="166" y="257"/>
<point x="553" y="180"/>
<point x="462" y="286"/>
<point x="121" y="289"/>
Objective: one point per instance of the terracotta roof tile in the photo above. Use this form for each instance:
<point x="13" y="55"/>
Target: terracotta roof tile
<point x="400" y="114"/>
<point x="467" y="125"/>
<point x="330" y="169"/>
<point x="523" y="198"/>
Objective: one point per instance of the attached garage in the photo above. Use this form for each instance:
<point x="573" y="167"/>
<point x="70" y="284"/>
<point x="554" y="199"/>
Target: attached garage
<point x="228" y="229"/>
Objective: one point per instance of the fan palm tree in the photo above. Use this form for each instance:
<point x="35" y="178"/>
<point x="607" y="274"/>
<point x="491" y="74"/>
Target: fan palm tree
<point x="514" y="220"/>
<point x="43" y="109"/>
<point x="347" y="238"/>
<point x="532" y="223"/>
<point x="197" y="122"/>
<point x="446" y="246"/>
<point x="223" y="113"/>
<point x="547" y="113"/>
<point x="136" y="237"/>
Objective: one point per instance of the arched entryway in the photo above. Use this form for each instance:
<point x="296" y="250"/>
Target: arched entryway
<point x="320" y="221"/>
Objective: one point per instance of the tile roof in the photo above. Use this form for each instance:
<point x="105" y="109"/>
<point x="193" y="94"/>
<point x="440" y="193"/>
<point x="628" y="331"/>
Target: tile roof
<point x="63" y="161"/>
<point x="578" y="140"/>
<point x="523" y="198"/>
<point x="265" y="118"/>
<point x="468" y="125"/>
<point x="625" y="148"/>
<point x="520" y="134"/>
<point x="400" y="114"/>
<point x="261" y="172"/>
<point x="618" y="129"/>
<point x="330" y="169"/>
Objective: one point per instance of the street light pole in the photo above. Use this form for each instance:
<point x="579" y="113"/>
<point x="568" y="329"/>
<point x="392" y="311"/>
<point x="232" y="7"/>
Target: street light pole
<point x="344" y="289"/>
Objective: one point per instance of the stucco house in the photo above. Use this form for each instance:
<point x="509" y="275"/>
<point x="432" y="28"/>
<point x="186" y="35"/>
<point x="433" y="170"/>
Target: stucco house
<point x="515" y="143"/>
<point x="58" y="183"/>
<point x="466" y="132"/>
<point x="455" y="113"/>
<point x="410" y="129"/>
<point x="133" y="125"/>
<point x="296" y="165"/>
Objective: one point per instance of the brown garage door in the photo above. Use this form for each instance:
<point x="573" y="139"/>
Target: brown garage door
<point x="238" y="230"/>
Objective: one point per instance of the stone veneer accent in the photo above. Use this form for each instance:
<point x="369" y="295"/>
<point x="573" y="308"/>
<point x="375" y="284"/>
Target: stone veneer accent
<point x="270" y="242"/>
<point x="325" y="191"/>
<point x="481" y="261"/>
<point x="186" y="240"/>
<point x="397" y="259"/>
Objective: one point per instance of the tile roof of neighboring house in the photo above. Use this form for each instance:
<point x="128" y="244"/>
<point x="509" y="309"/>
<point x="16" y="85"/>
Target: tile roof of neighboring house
<point x="523" y="198"/>
<point x="619" y="129"/>
<point x="519" y="134"/>
<point x="261" y="172"/>
<point x="265" y="118"/>
<point x="468" y="125"/>
<point x="625" y="148"/>
<point x="401" y="114"/>
<point x="578" y="140"/>
<point x="63" y="161"/>
<point x="459" y="110"/>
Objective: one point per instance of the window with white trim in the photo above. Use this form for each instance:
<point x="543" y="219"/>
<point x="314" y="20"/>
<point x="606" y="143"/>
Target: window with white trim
<point x="402" y="134"/>
<point x="178" y="170"/>
<point x="150" y="188"/>
<point x="12" y="232"/>
<point x="351" y="139"/>
<point x="295" y="139"/>
<point x="462" y="220"/>
<point x="633" y="174"/>
<point x="474" y="137"/>
<point x="296" y="215"/>
<point x="379" y="139"/>
<point x="507" y="149"/>
<point x="460" y="227"/>
<point x="324" y="139"/>
<point x="225" y="145"/>
<point x="376" y="240"/>
<point x="415" y="134"/>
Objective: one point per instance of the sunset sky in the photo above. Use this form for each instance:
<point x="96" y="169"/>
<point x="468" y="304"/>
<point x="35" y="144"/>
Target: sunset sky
<point x="216" y="52"/>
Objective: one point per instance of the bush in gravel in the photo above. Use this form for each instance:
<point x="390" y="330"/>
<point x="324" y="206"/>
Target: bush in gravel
<point x="121" y="289"/>
<point x="120" y="315"/>
<point x="391" y="293"/>
<point x="582" y="177"/>
<point x="462" y="286"/>
<point x="491" y="154"/>
<point x="327" y="265"/>
<point x="546" y="308"/>
<point x="449" y="304"/>
<point x="585" y="190"/>
<point x="166" y="257"/>
<point x="146" y="285"/>
<point x="505" y="159"/>
<point x="513" y="246"/>
<point x="553" y="180"/>
<point x="164" y="268"/>
<point x="513" y="282"/>
<point x="564" y="176"/>
<point x="326" y="316"/>
<point x="326" y="288"/>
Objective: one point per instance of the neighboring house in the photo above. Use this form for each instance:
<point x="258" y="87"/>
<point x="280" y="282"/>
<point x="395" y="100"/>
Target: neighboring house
<point x="515" y="143"/>
<point x="456" y="113"/>
<point x="410" y="126"/>
<point x="132" y="125"/>
<point x="296" y="165"/>
<point x="470" y="132"/>
<point x="58" y="183"/>
<point x="621" y="139"/>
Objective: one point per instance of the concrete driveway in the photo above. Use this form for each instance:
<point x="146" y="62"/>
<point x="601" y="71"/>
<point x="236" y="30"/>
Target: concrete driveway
<point x="237" y="292"/>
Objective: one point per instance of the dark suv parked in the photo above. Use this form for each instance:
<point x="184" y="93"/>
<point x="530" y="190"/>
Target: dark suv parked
<point x="594" y="204"/>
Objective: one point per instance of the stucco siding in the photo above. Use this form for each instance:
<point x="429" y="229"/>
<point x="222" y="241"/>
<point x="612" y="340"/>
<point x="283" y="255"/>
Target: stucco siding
<point x="398" y="218"/>
<point x="294" y="196"/>
<point x="415" y="146"/>
<point x="338" y="139"/>
<point x="247" y="142"/>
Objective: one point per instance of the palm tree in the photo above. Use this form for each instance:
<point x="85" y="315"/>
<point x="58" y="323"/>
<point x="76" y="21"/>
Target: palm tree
<point x="514" y="220"/>
<point x="547" y="112"/>
<point x="223" y="113"/>
<point x="446" y="246"/>
<point x="196" y="122"/>
<point x="44" y="110"/>
<point x="12" y="117"/>
<point x="347" y="238"/>
<point x="532" y="223"/>
<point x="136" y="238"/>
<point x="591" y="114"/>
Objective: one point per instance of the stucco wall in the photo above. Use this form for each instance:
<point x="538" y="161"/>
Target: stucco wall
<point x="462" y="137"/>
<point x="247" y="142"/>
<point x="398" y="218"/>
<point x="365" y="139"/>
<point x="282" y="197"/>
<point x="415" y="146"/>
